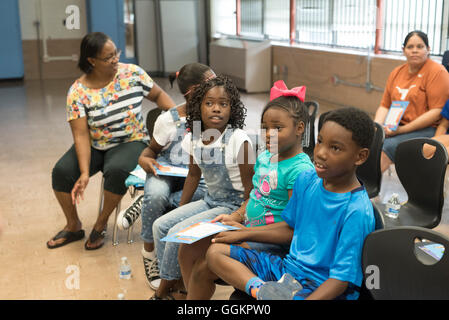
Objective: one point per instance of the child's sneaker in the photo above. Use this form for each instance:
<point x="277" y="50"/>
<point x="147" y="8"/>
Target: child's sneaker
<point x="152" y="272"/>
<point x="128" y="216"/>
<point x="284" y="289"/>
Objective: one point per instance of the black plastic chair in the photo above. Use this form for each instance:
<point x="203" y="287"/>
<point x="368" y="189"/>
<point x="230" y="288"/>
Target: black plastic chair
<point x="321" y="119"/>
<point x="308" y="139"/>
<point x="369" y="172"/>
<point x="400" y="273"/>
<point x="379" y="225"/>
<point x="423" y="180"/>
<point x="445" y="61"/>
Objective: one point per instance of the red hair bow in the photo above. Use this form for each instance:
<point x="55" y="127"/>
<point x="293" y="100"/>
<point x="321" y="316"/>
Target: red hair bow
<point x="279" y="89"/>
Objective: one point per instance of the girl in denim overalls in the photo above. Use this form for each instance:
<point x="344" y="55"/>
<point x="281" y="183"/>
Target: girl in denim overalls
<point x="162" y="193"/>
<point x="219" y="151"/>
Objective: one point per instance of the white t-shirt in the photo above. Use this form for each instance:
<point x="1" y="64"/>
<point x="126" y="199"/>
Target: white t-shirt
<point x="165" y="129"/>
<point x="232" y="149"/>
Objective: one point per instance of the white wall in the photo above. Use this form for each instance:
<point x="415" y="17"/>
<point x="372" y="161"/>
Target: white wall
<point x="179" y="33"/>
<point x="147" y="50"/>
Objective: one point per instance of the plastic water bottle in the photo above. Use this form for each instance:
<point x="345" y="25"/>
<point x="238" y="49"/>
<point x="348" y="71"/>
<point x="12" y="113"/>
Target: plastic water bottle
<point x="125" y="269"/>
<point x="393" y="206"/>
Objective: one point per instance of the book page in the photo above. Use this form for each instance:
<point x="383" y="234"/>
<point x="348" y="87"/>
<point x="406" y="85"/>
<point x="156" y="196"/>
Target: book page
<point x="202" y="230"/>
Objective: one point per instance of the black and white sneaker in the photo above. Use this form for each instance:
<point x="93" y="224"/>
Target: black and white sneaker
<point x="152" y="273"/>
<point x="128" y="216"/>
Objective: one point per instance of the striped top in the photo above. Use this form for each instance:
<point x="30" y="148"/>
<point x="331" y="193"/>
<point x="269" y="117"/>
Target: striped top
<point x="114" y="113"/>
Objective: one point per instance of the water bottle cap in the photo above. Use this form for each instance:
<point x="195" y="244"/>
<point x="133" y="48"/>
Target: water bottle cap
<point x="120" y="296"/>
<point x="124" y="259"/>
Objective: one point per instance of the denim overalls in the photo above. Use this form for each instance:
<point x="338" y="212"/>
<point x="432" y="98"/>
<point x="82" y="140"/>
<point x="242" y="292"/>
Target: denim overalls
<point x="221" y="198"/>
<point x="213" y="166"/>
<point x="164" y="192"/>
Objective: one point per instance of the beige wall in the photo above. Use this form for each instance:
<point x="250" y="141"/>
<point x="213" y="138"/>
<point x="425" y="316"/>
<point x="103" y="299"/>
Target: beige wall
<point x="315" y="68"/>
<point x="65" y="69"/>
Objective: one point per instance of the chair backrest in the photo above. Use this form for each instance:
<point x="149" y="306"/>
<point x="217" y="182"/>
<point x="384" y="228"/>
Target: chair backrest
<point x="321" y="119"/>
<point x="396" y="272"/>
<point x="151" y="119"/>
<point x="369" y="172"/>
<point x="379" y="218"/>
<point x="445" y="61"/>
<point x="308" y="139"/>
<point x="423" y="179"/>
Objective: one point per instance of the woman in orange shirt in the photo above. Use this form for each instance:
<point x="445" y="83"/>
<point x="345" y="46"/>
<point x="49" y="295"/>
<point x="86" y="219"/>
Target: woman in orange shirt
<point x="422" y="82"/>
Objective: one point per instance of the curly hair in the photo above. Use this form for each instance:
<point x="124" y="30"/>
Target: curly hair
<point x="238" y="110"/>
<point x="356" y="121"/>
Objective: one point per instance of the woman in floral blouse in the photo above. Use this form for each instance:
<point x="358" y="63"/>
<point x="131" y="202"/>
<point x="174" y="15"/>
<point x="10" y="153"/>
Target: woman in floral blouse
<point x="104" y="110"/>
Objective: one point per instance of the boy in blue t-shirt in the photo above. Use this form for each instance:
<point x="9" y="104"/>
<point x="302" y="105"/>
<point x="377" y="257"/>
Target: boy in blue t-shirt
<point x="327" y="219"/>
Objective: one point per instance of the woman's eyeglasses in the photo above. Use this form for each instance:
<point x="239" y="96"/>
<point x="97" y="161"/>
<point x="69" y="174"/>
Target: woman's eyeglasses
<point x="112" y="58"/>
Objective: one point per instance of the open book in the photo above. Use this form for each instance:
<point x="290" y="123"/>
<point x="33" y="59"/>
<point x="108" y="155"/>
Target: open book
<point x="197" y="231"/>
<point x="163" y="170"/>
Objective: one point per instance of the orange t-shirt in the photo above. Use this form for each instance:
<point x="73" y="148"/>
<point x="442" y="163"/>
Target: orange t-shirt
<point x="425" y="90"/>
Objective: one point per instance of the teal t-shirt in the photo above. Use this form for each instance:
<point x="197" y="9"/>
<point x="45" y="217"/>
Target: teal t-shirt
<point x="271" y="184"/>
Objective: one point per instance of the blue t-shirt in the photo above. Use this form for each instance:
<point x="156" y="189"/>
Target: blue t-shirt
<point x="271" y="181"/>
<point x="329" y="231"/>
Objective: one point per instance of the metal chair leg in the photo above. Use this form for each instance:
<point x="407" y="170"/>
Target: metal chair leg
<point x="133" y="192"/>
<point x="114" y="232"/>
<point x="100" y="205"/>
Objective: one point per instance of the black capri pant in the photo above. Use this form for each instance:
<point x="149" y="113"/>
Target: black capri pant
<point x="115" y="163"/>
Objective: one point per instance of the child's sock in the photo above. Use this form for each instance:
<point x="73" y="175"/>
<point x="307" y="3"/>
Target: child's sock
<point x="253" y="285"/>
<point x="148" y="254"/>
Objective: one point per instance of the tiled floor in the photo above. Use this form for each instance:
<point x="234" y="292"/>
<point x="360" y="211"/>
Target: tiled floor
<point x="33" y="135"/>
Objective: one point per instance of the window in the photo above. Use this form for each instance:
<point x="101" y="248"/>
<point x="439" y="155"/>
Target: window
<point x="223" y="17"/>
<point x="268" y="19"/>
<point x="403" y="16"/>
<point x="337" y="23"/>
<point x="345" y="23"/>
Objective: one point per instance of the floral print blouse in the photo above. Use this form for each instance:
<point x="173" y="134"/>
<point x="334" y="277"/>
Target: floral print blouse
<point x="114" y="113"/>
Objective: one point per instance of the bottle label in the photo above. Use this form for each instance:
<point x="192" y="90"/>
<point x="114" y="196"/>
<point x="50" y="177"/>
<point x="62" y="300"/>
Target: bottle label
<point x="125" y="274"/>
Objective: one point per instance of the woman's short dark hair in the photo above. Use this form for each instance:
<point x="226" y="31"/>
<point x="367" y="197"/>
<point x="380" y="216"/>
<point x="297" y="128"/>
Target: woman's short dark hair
<point x="418" y="33"/>
<point x="91" y="46"/>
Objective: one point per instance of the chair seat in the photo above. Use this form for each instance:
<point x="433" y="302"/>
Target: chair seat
<point x="409" y="215"/>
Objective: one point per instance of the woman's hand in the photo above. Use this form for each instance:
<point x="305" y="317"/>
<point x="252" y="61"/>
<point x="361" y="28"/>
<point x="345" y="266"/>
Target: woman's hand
<point x="149" y="165"/>
<point x="79" y="187"/>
